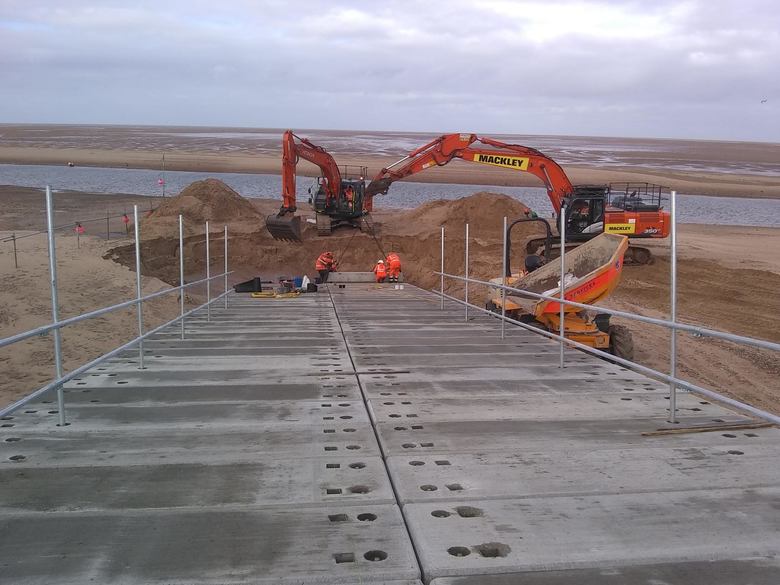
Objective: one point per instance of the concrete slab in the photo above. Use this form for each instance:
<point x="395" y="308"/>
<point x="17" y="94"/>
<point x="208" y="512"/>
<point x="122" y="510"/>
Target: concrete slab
<point x="560" y="533"/>
<point x="248" y="545"/>
<point x="270" y="481"/>
<point x="756" y="571"/>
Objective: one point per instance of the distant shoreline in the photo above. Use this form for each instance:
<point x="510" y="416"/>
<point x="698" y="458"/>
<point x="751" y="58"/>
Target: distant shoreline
<point x="688" y="182"/>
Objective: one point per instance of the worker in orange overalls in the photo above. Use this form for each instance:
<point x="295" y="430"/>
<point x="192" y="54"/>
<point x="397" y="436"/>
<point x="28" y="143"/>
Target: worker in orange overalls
<point x="380" y="270"/>
<point x="349" y="195"/>
<point x="325" y="264"/>
<point x="393" y="263"/>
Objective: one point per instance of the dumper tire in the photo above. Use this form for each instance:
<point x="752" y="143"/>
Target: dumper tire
<point x="621" y="342"/>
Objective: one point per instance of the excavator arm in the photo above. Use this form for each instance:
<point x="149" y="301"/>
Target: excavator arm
<point x="472" y="148"/>
<point x="285" y="225"/>
<point x="291" y="153"/>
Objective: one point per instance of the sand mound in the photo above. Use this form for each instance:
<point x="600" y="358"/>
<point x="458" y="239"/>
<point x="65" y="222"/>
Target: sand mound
<point x="484" y="211"/>
<point x="208" y="200"/>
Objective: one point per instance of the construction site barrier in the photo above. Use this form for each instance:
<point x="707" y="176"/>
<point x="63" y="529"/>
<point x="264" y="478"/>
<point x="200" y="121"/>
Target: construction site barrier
<point x="673" y="325"/>
<point x="57" y="324"/>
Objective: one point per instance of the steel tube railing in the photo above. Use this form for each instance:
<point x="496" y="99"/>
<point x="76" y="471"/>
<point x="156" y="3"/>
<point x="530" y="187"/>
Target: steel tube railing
<point x="181" y="272"/>
<point x="503" y="283"/>
<point x="139" y="305"/>
<point x="673" y="311"/>
<point x="55" y="303"/>
<point x="226" y="265"/>
<point x="694" y="329"/>
<point x="208" y="275"/>
<point x="562" y="229"/>
<point x="81" y="369"/>
<point x="768" y="416"/>
<point x="466" y="272"/>
<point x="43" y="329"/>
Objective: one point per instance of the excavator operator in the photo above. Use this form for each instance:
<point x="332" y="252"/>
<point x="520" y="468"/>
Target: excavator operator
<point x="393" y="263"/>
<point x="325" y="264"/>
<point x="380" y="270"/>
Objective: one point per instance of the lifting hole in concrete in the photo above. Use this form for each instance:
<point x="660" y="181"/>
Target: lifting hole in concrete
<point x="417" y="427"/>
<point x="30" y="411"/>
<point x="703" y="402"/>
<point x="417" y="463"/>
<point x="468" y="512"/>
<point x="751" y="435"/>
<point x="366" y="517"/>
<point x="328" y="430"/>
<point x="332" y="465"/>
<point x="349" y="430"/>
<point x="330" y="448"/>
<point x="411" y="416"/>
<point x="442" y="462"/>
<point x="345" y="417"/>
<point x="358" y="465"/>
<point x="718" y="420"/>
<point x="328" y="418"/>
<point x="344" y="558"/>
<point x="626" y="399"/>
<point x="394" y="415"/>
<point x="359" y="489"/>
<point x="353" y="447"/>
<point x="440" y="514"/>
<point x="17" y="458"/>
<point x="459" y="551"/>
<point x="375" y="555"/>
<point x="399" y="428"/>
<point x="406" y="402"/>
<point x="428" y="488"/>
<point x="735" y="452"/>
<point x="6" y="418"/>
<point x="454" y="487"/>
<point x="13" y="440"/>
<point x="426" y="444"/>
<point x="122" y="382"/>
<point x="492" y="550"/>
<point x="333" y="491"/>
<point x="388" y="403"/>
<point x="338" y="517"/>
<point x="730" y="436"/>
<point x="409" y="445"/>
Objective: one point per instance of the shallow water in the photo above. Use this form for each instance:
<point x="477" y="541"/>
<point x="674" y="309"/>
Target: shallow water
<point x="691" y="208"/>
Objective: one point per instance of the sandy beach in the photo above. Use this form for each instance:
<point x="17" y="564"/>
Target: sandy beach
<point x="737" y="169"/>
<point x="718" y="286"/>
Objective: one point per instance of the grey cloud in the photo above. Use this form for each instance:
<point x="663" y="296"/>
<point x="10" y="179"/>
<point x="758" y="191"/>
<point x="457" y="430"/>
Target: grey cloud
<point x="684" y="69"/>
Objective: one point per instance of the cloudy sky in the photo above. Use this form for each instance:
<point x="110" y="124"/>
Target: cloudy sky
<point x="661" y="68"/>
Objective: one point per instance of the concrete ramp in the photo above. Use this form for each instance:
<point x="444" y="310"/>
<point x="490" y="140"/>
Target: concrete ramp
<point x="363" y="435"/>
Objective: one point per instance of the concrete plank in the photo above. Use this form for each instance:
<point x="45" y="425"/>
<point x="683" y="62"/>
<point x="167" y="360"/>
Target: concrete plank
<point x="251" y="545"/>
<point x="558" y="533"/>
<point x="724" y="463"/>
<point x="268" y="481"/>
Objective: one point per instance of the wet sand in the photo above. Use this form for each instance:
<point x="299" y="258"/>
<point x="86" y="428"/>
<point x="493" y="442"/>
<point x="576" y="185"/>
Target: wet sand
<point x="719" y="168"/>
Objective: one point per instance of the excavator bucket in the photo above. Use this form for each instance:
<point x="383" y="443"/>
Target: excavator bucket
<point x="284" y="227"/>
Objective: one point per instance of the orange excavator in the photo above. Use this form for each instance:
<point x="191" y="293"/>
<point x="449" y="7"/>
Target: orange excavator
<point x="339" y="199"/>
<point x="630" y="209"/>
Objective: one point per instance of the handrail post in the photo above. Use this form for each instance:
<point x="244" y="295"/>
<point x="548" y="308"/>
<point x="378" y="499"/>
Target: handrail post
<point x="139" y="306"/>
<point x="55" y="311"/>
<point x="181" y="271"/>
<point x="442" y="268"/>
<point x="673" y="312"/>
<point x="226" y="266"/>
<point x="208" y="276"/>
<point x="466" y="293"/>
<point x="562" y="229"/>
<point x="503" y="290"/>
<point x="16" y="259"/>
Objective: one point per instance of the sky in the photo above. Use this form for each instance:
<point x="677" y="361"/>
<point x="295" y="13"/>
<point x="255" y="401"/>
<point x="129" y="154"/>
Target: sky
<point x="699" y="69"/>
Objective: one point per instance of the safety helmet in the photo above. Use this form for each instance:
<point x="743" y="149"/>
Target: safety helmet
<point x="533" y="262"/>
<point x="380" y="262"/>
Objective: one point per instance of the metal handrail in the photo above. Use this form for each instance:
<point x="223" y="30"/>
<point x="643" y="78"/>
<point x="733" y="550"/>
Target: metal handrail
<point x="83" y="368"/>
<point x="697" y="331"/>
<point x="43" y="329"/>
<point x="768" y="416"/>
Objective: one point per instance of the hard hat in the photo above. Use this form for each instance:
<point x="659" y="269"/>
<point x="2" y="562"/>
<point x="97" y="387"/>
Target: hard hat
<point x="381" y="262"/>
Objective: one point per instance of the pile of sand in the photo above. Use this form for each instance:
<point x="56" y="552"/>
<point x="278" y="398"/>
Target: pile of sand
<point x="208" y="200"/>
<point x="483" y="211"/>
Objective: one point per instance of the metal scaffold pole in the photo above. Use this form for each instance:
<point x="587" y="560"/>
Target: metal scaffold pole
<point x="226" y="266"/>
<point x="139" y="306"/>
<point x="562" y="229"/>
<point x="503" y="290"/>
<point x="55" y="310"/>
<point x="181" y="271"/>
<point x="442" y="268"/>
<point x="208" y="276"/>
<point x="466" y="264"/>
<point x="673" y="311"/>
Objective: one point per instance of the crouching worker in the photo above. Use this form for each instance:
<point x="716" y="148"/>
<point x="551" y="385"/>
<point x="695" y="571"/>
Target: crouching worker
<point x="380" y="270"/>
<point x="325" y="265"/>
<point x="393" y="264"/>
